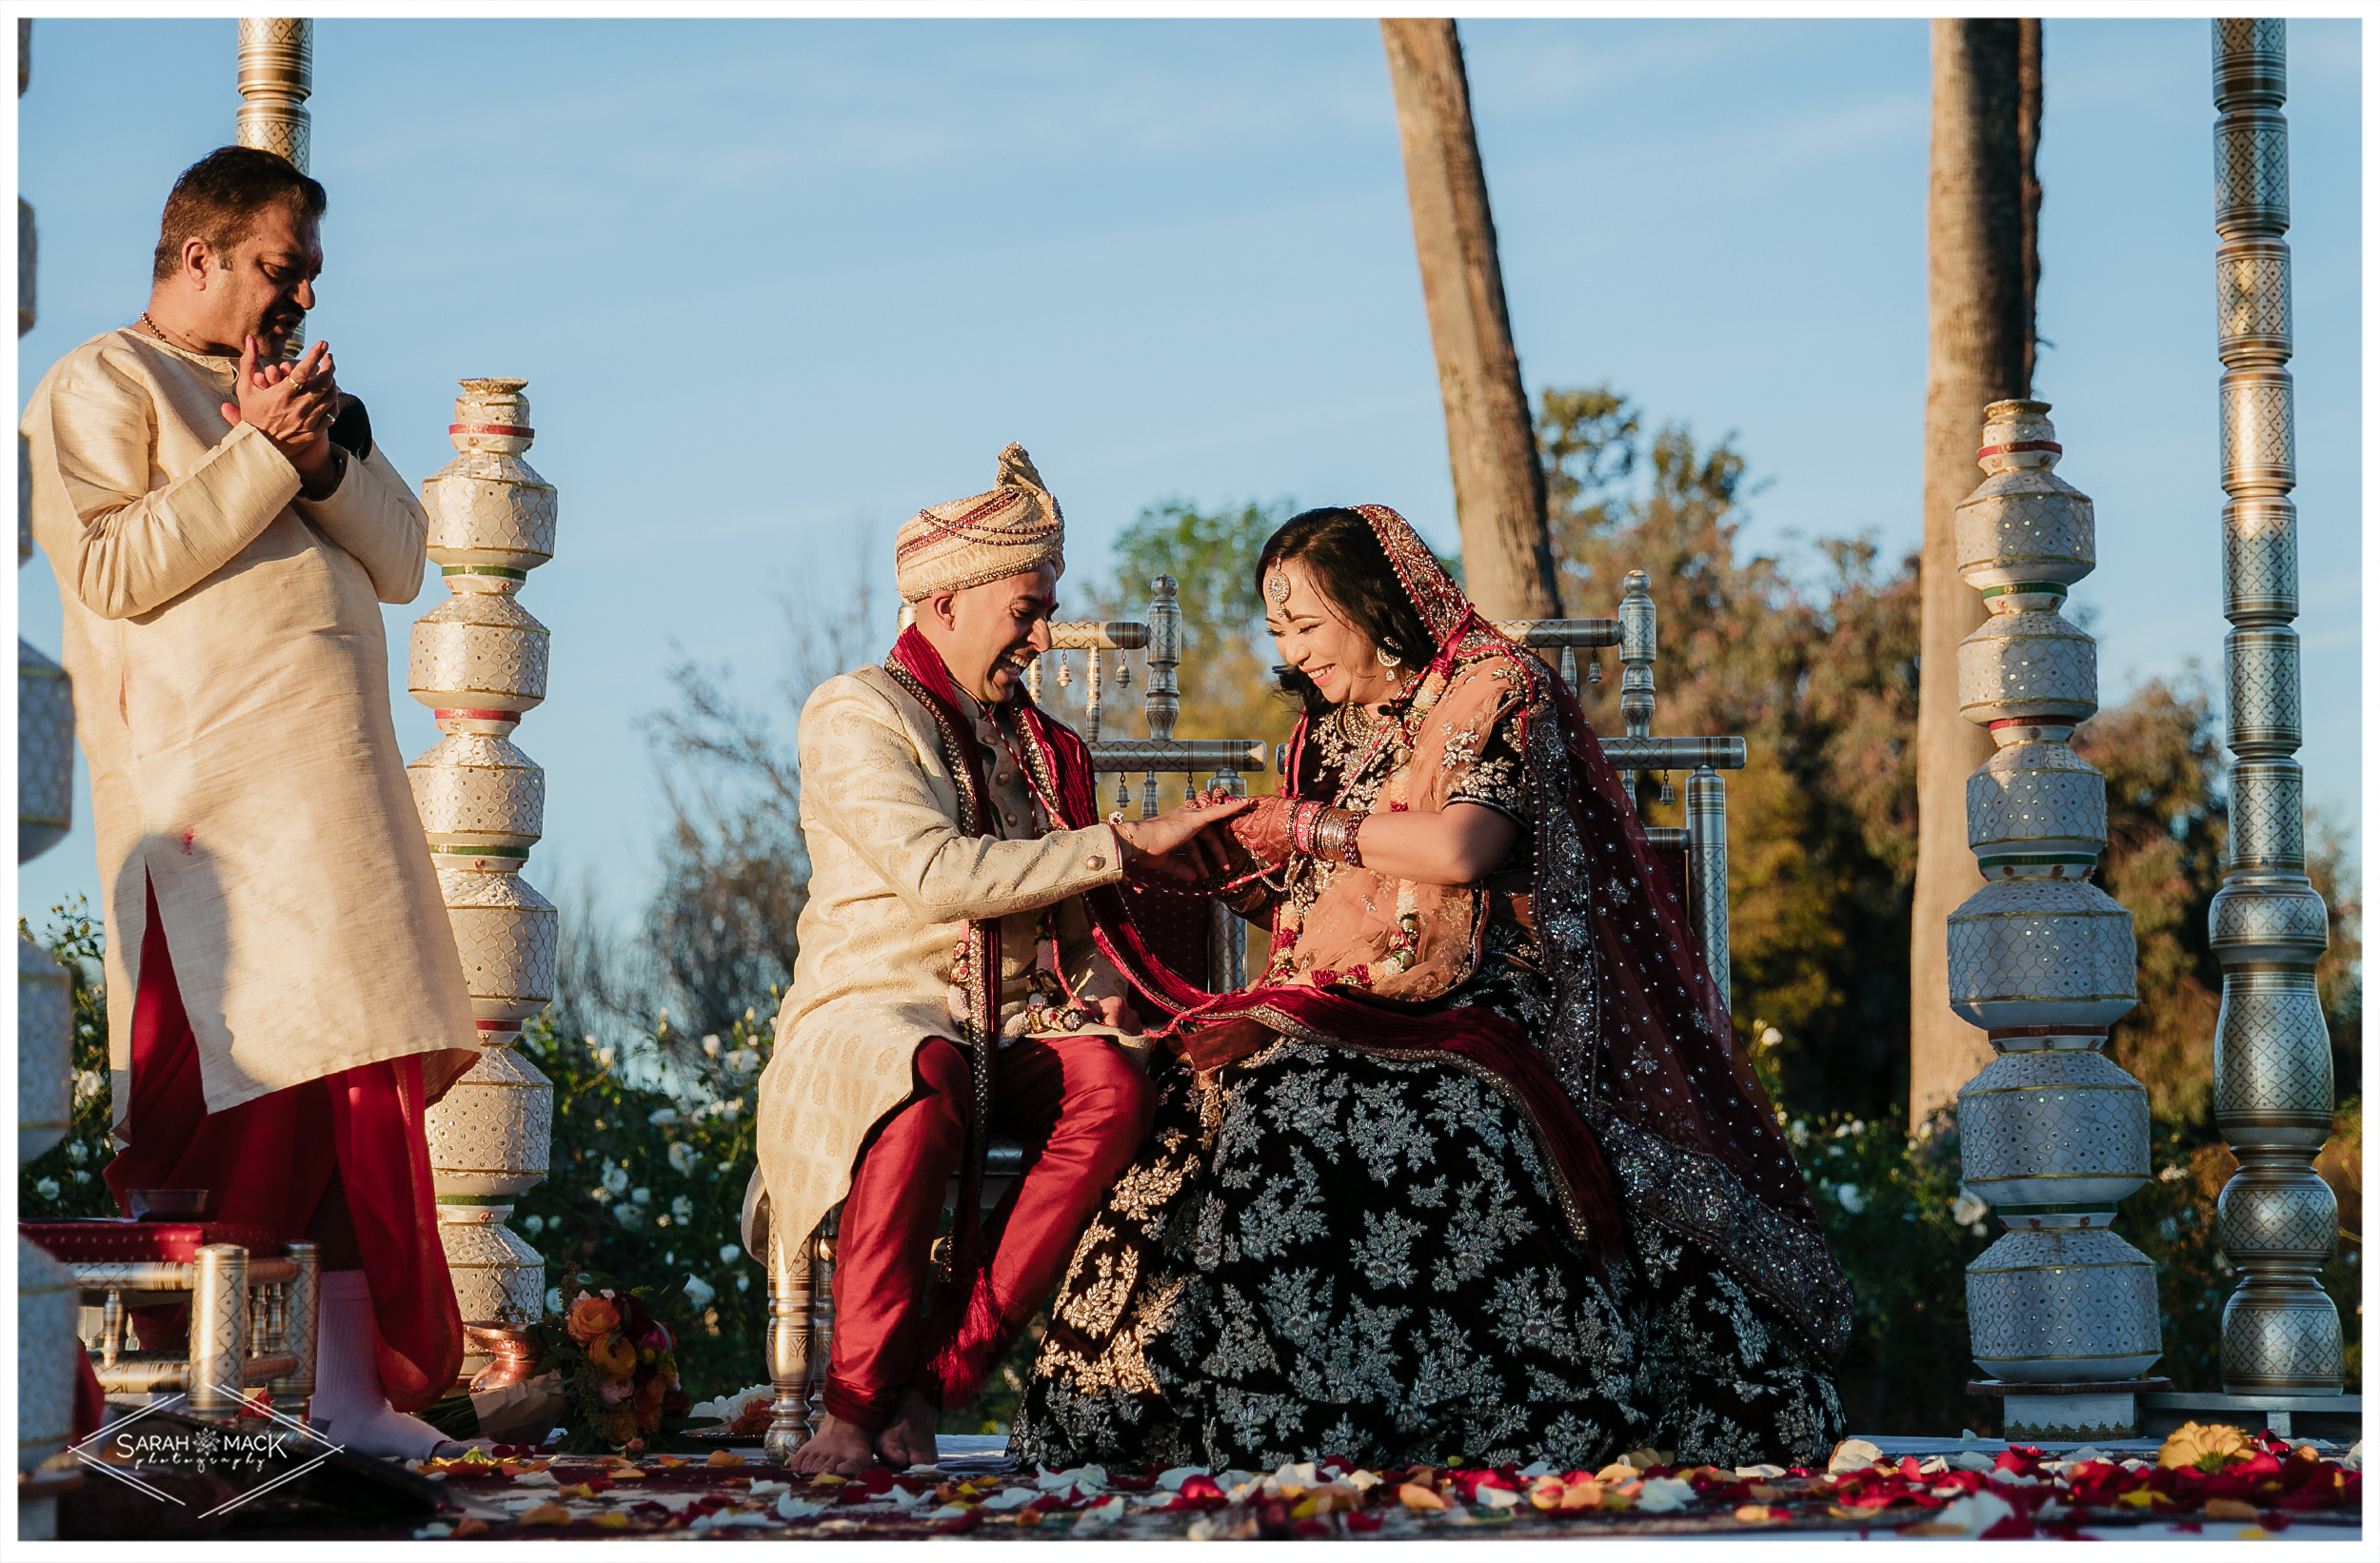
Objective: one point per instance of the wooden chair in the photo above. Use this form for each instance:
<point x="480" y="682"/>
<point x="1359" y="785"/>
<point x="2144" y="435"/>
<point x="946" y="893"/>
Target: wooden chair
<point x="1209" y="939"/>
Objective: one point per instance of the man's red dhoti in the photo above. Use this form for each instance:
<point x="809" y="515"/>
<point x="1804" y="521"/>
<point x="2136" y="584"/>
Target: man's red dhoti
<point x="1080" y="1110"/>
<point x="342" y="1159"/>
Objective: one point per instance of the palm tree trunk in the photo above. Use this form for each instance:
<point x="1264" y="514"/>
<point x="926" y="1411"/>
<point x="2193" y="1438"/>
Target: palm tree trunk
<point x="2028" y="154"/>
<point x="1979" y="310"/>
<point x="1500" y="488"/>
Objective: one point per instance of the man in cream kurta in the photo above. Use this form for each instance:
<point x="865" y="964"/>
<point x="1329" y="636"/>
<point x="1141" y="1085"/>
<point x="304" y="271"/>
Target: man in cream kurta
<point x="224" y="533"/>
<point x="866" y="1098"/>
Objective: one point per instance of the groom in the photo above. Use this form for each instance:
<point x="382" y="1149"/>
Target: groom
<point x="947" y="988"/>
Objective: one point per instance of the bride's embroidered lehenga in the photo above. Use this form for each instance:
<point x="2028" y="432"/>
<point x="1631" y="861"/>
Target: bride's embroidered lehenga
<point x="1469" y="1171"/>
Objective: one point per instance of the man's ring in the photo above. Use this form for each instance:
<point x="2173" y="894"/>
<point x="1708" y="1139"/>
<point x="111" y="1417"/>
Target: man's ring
<point x="298" y="382"/>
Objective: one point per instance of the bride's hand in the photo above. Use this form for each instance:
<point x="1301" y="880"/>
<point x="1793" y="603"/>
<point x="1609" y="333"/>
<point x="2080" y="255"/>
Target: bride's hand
<point x="1170" y="845"/>
<point x="1264" y="830"/>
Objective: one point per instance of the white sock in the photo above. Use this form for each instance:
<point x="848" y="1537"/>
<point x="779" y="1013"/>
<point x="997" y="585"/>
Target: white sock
<point x="348" y="1404"/>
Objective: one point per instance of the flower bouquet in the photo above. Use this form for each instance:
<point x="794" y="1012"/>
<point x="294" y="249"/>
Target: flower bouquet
<point x="616" y="1354"/>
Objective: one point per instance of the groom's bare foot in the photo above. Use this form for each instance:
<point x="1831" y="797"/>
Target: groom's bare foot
<point x="837" y="1447"/>
<point x="910" y="1438"/>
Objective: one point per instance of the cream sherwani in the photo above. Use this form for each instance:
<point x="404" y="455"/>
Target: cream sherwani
<point x="891" y="881"/>
<point x="231" y="696"/>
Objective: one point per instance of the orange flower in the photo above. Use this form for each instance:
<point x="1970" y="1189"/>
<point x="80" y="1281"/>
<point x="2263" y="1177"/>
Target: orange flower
<point x="613" y="1354"/>
<point x="592" y="1319"/>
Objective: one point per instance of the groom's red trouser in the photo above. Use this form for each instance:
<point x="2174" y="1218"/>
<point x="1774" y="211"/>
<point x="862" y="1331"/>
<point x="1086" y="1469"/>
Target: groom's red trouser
<point x="1080" y="1110"/>
<point x="343" y="1160"/>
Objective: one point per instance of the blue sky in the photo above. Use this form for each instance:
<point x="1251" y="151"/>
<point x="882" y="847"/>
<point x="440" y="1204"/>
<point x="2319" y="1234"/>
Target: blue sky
<point x="776" y="283"/>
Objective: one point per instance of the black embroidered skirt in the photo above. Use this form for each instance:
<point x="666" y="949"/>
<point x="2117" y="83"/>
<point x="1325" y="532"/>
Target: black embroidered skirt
<point x="1327" y="1253"/>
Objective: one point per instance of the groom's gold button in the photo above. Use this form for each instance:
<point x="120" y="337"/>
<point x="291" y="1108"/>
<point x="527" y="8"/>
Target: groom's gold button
<point x="1094" y="862"/>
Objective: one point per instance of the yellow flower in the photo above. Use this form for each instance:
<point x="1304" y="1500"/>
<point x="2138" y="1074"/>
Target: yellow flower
<point x="614" y="1355"/>
<point x="2208" y="1448"/>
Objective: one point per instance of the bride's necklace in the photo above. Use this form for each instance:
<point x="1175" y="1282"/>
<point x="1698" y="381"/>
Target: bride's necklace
<point x="1353" y="723"/>
<point x="1355" y="735"/>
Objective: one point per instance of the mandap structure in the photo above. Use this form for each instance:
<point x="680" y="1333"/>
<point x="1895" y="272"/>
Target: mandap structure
<point x="2062" y="1313"/>
<point x="2283" y="1357"/>
<point x="47" y="1302"/>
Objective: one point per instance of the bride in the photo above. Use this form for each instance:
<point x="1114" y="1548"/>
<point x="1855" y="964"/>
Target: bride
<point x="1470" y="1171"/>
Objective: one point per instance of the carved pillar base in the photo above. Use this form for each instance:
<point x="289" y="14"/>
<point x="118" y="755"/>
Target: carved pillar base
<point x="789" y="1347"/>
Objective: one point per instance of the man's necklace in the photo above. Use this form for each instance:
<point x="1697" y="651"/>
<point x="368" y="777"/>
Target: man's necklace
<point x="159" y="332"/>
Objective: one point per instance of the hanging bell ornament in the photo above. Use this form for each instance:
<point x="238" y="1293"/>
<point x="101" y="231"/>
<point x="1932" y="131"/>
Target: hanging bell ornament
<point x="1595" y="669"/>
<point x="1669" y="794"/>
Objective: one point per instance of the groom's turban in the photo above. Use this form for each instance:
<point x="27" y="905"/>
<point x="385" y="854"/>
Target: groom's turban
<point x="1011" y="529"/>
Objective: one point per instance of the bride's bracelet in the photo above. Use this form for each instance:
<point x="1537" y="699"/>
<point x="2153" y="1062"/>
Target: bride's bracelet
<point x="1304" y="814"/>
<point x="1320" y="830"/>
<point x="1334" y="835"/>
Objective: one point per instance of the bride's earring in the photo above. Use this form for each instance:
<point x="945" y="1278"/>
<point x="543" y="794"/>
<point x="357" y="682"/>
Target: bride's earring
<point x="1388" y="660"/>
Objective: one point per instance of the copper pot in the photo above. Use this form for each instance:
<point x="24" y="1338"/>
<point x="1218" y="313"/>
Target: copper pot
<point x="512" y="1358"/>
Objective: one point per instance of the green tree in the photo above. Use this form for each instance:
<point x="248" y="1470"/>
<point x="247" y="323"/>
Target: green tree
<point x="1818" y="677"/>
<point x="1227" y="686"/>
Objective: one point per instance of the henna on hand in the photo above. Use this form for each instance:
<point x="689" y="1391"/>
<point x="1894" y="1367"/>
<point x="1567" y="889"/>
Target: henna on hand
<point x="1262" y="829"/>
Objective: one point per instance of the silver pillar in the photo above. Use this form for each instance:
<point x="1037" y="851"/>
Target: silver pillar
<point x="2273" y="1086"/>
<point x="300" y="1314"/>
<point x="1228" y="961"/>
<point x="276" y="78"/>
<point x="46" y="1300"/>
<point x="790" y="1345"/>
<point x="1162" y="696"/>
<point x="2062" y="1314"/>
<point x="1706" y="853"/>
<point x="1637" y="636"/>
<point x="218" y="1331"/>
